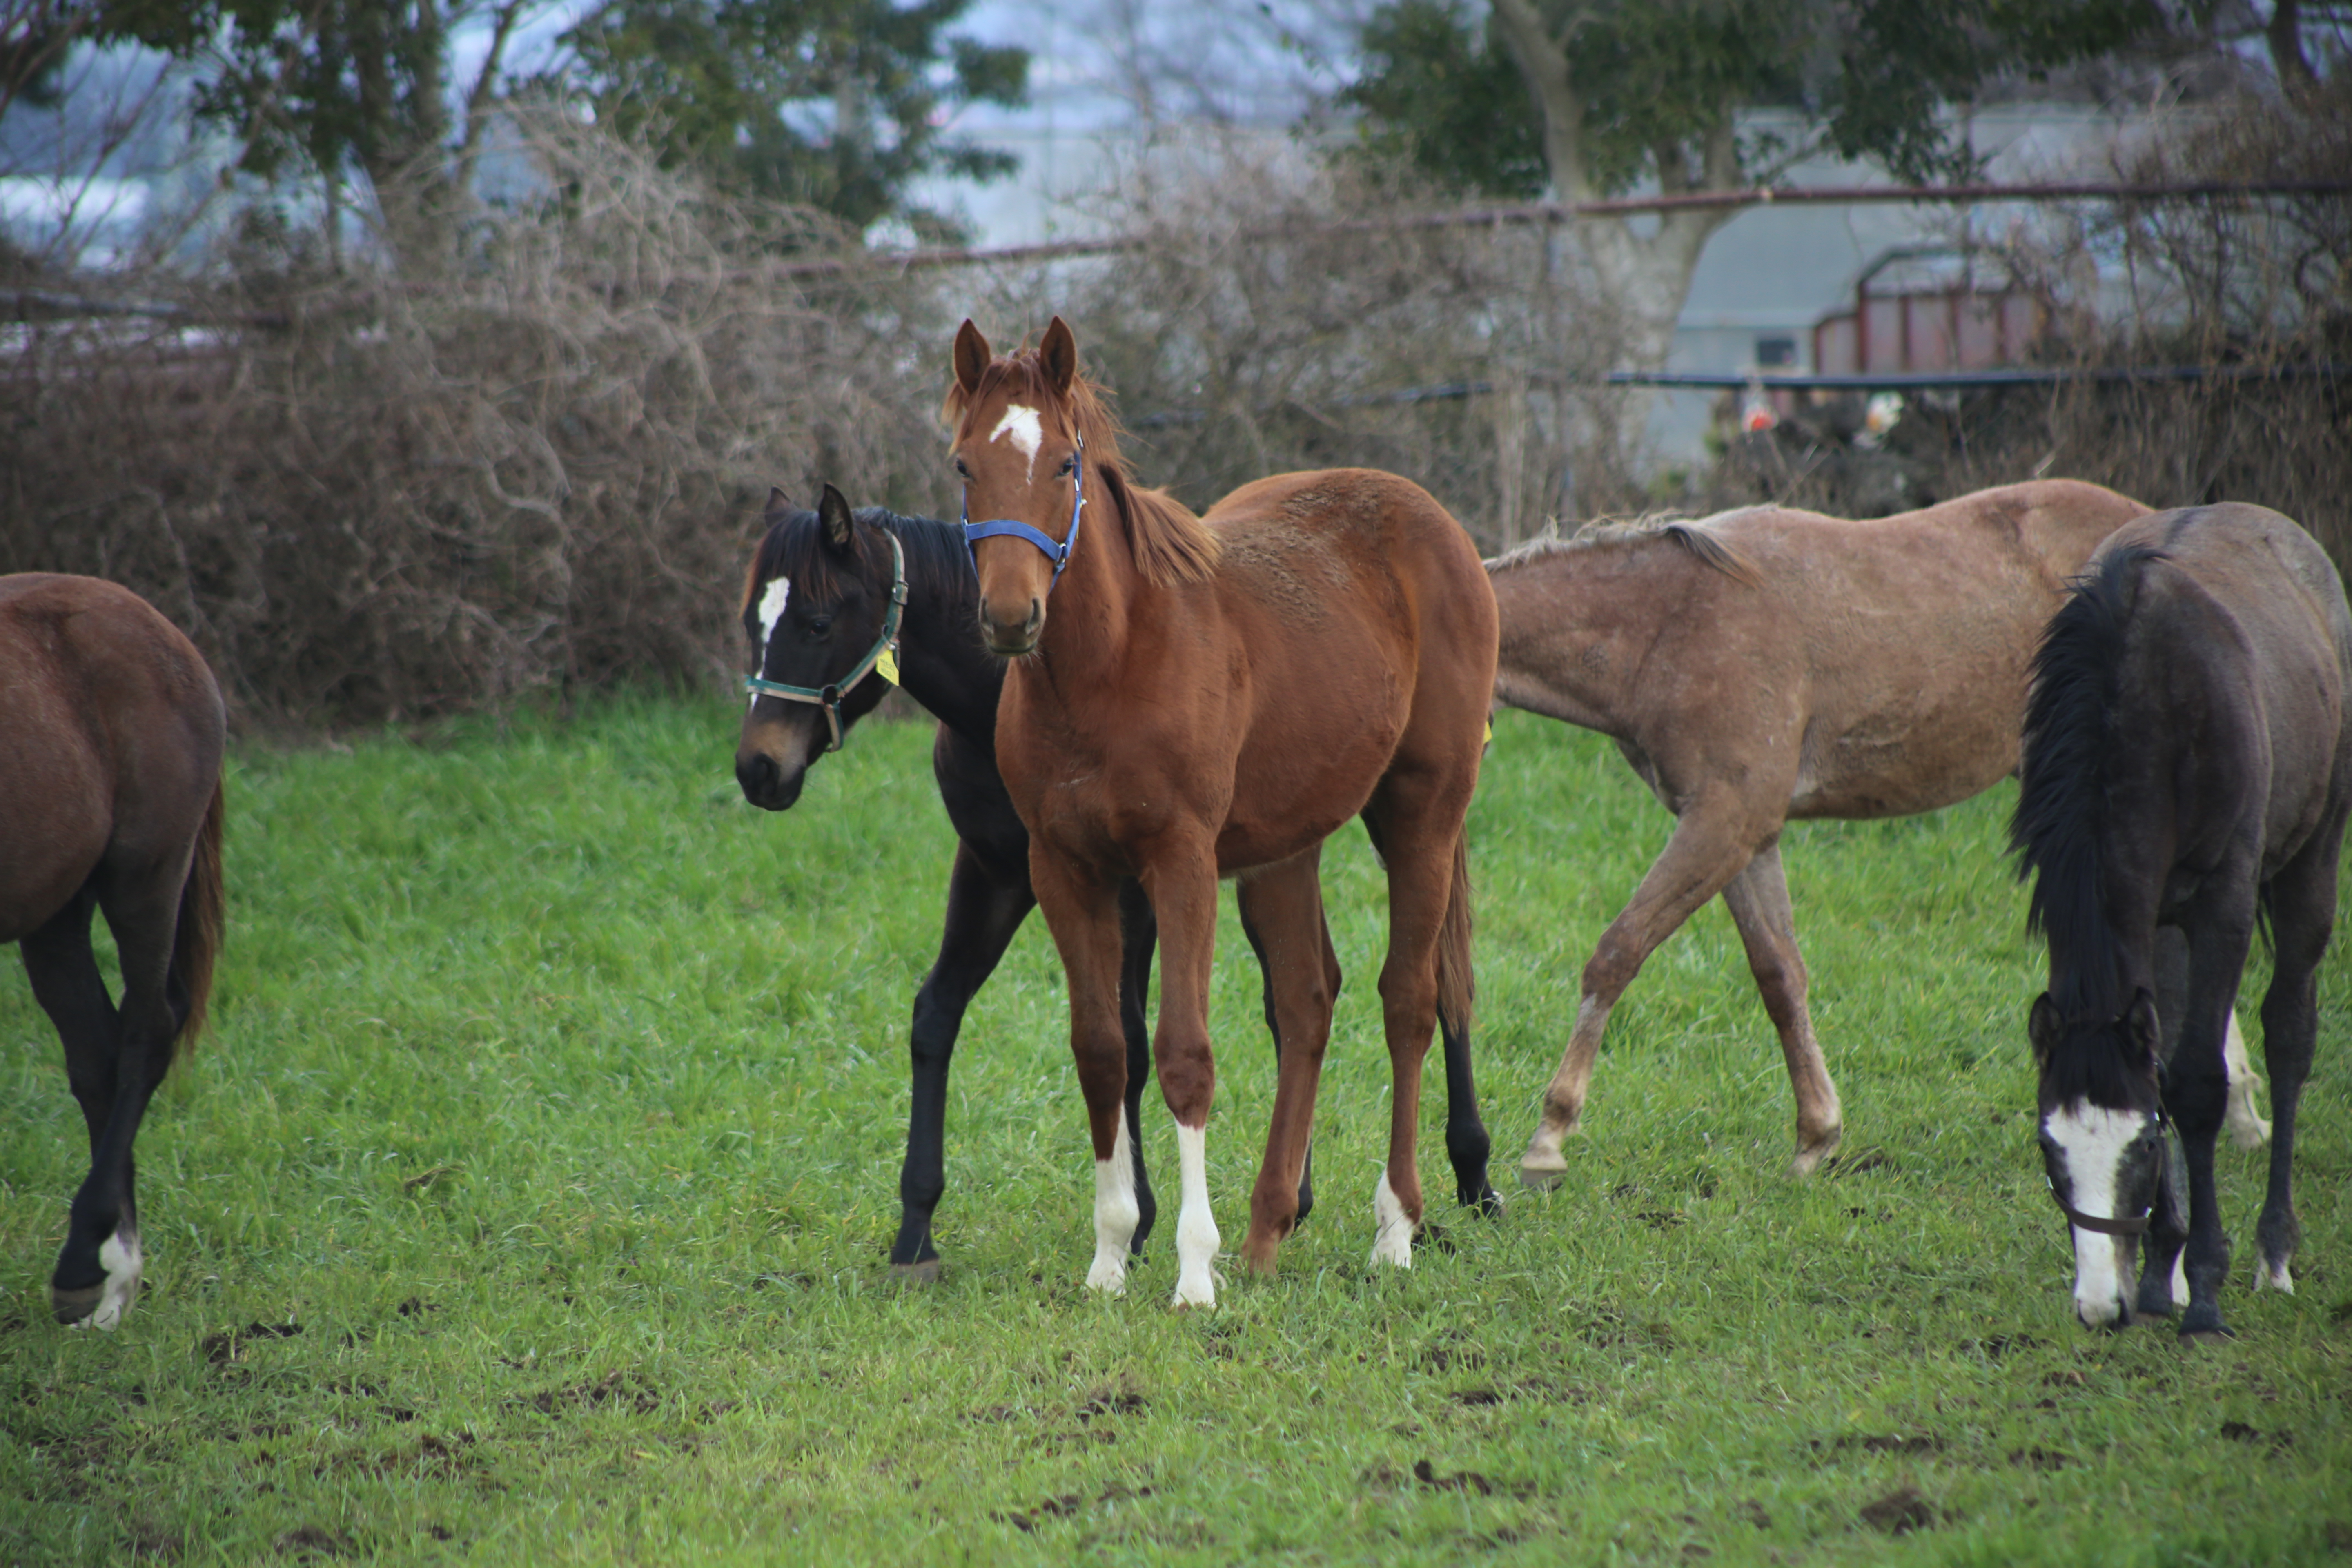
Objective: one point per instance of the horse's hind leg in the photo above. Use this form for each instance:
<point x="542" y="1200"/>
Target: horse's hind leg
<point x="2303" y="916"/>
<point x="1759" y="898"/>
<point x="1282" y="905"/>
<point x="2247" y="1129"/>
<point x="1273" y="1028"/>
<point x="983" y="915"/>
<point x="1468" y="1145"/>
<point x="1139" y="932"/>
<point x="1705" y="853"/>
<point x="67" y="983"/>
<point x="99" y="1267"/>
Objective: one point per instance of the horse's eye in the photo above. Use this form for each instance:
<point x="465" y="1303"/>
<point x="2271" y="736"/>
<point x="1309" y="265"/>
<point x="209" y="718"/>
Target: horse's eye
<point x="820" y="627"/>
<point x="1069" y="465"/>
<point x="961" y="472"/>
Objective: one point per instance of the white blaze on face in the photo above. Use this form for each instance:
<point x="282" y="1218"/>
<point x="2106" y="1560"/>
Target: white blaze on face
<point x="771" y="610"/>
<point x="1115" y="1214"/>
<point x="1196" y="1227"/>
<point x="1021" y="423"/>
<point x="2093" y="1138"/>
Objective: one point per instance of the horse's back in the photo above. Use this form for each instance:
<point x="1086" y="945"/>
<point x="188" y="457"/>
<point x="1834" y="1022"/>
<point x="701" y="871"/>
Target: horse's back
<point x="2283" y="649"/>
<point x="112" y="734"/>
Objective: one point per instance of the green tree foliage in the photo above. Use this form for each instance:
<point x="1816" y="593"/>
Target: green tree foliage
<point x="325" y="83"/>
<point x="835" y="104"/>
<point x="1649" y="81"/>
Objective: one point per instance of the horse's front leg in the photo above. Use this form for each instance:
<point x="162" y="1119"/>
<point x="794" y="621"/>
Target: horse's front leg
<point x="1758" y="900"/>
<point x="1082" y="912"/>
<point x="1181" y="879"/>
<point x="2196" y="1094"/>
<point x="983" y="915"/>
<point x="1709" y="846"/>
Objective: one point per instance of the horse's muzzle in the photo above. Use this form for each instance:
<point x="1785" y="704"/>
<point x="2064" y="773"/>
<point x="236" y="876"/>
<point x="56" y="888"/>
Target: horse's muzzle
<point x="765" y="782"/>
<point x="1011" y="639"/>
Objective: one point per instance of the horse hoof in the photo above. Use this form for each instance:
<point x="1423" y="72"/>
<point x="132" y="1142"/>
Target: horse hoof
<point x="910" y="1275"/>
<point x="1542" y="1178"/>
<point x="1810" y="1156"/>
<point x="2216" y="1335"/>
<point x="73" y="1307"/>
<point x="1489" y="1203"/>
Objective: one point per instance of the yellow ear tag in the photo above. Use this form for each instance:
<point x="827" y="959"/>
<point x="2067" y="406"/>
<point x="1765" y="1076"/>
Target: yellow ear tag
<point x="889" y="664"/>
<point x="1490" y="732"/>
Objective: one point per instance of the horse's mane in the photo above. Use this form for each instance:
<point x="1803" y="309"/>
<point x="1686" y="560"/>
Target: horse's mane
<point x="1170" y="544"/>
<point x="1694" y="535"/>
<point x="2064" y="771"/>
<point x="938" y="565"/>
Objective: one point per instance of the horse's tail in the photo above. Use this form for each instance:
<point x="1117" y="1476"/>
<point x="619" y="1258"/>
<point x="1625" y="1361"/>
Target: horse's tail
<point x="203" y="918"/>
<point x="1455" y="987"/>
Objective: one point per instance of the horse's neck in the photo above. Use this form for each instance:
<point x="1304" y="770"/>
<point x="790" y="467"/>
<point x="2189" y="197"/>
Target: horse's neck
<point x="1091" y="612"/>
<point x="1571" y="639"/>
<point x="941" y="664"/>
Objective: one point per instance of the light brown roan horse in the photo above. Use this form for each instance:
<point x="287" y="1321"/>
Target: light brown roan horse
<point x="1208" y="698"/>
<point x="110" y="742"/>
<point x="1768" y="664"/>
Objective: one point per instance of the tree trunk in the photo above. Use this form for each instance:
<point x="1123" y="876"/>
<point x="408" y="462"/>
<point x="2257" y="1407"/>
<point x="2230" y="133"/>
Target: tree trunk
<point x="1646" y="276"/>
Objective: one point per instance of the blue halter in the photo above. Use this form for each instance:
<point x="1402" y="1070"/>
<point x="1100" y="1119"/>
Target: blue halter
<point x="1057" y="551"/>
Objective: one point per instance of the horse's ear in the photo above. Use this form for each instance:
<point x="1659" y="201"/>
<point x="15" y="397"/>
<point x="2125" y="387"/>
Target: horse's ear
<point x="2141" y="1025"/>
<point x="833" y="511"/>
<point x="2042" y="1028"/>
<point x="1059" y="354"/>
<point x="971" y="357"/>
<point x="777" y="499"/>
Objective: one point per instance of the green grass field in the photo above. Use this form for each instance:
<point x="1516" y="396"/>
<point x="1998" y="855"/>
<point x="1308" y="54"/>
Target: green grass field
<point x="529" y="1204"/>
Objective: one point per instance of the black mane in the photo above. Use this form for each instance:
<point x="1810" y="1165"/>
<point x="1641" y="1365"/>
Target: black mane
<point x="939" y="564"/>
<point x="2064" y="771"/>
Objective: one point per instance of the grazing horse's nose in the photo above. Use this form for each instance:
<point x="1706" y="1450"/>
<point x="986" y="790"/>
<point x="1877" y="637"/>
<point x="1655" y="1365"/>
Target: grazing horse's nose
<point x="763" y="781"/>
<point x="1007" y="636"/>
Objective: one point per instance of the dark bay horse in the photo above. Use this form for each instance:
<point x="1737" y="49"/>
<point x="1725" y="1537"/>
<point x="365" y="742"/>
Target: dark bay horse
<point x="815" y="606"/>
<point x="2187" y="766"/>
<point x="111" y="735"/>
<point x="1765" y="665"/>
<point x="1213" y="698"/>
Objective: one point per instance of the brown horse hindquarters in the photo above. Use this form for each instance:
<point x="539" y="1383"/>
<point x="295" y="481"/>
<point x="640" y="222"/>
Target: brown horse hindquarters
<point x="1768" y="664"/>
<point x="113" y="770"/>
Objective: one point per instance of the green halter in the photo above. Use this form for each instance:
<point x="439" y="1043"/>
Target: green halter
<point x="886" y="646"/>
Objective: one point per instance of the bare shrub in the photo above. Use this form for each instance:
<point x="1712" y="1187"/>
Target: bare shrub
<point x="382" y="497"/>
<point x="1264" y="326"/>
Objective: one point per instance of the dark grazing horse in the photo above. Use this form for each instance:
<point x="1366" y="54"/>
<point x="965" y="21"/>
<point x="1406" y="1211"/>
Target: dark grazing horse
<point x="110" y="742"/>
<point x="816" y="606"/>
<point x="2187" y="767"/>
<point x="1205" y="697"/>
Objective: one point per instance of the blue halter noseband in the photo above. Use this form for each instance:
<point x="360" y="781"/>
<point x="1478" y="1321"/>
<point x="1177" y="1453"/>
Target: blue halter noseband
<point x="1057" y="551"/>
